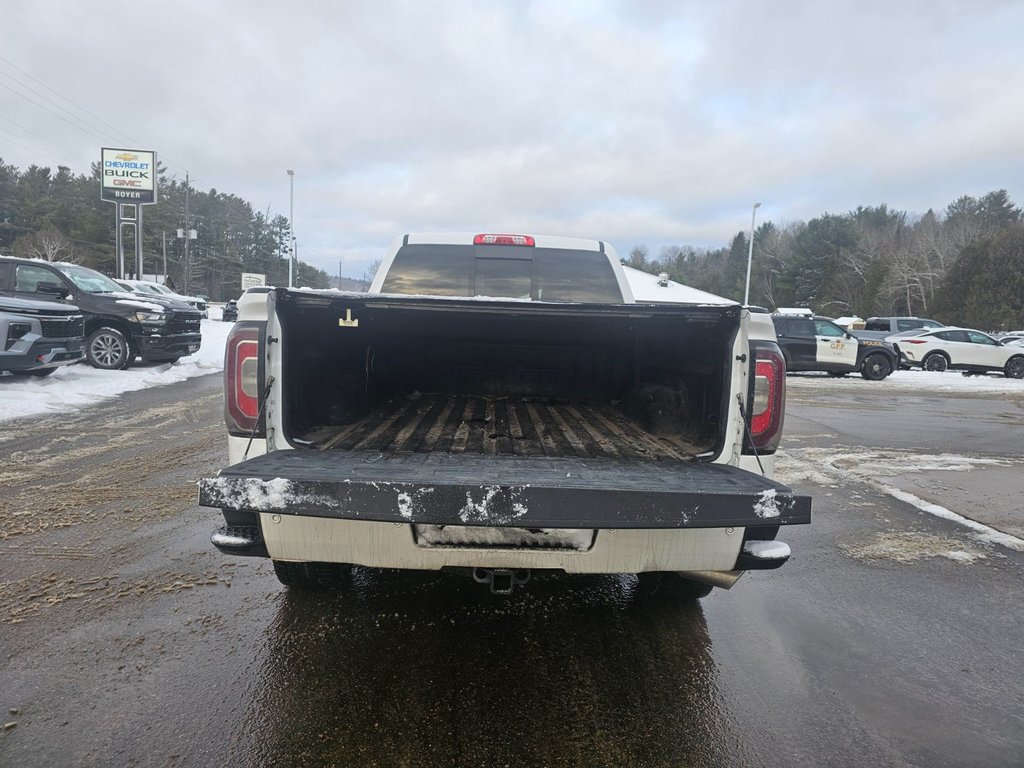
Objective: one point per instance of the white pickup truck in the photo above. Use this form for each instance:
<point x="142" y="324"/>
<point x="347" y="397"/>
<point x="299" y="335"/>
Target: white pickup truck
<point x="504" y="404"/>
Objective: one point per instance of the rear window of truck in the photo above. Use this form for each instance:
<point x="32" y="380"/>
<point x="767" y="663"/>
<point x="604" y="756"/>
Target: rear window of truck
<point x="499" y="271"/>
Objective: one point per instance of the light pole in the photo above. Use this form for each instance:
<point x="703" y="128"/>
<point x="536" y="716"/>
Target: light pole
<point x="750" y="254"/>
<point x="291" y="227"/>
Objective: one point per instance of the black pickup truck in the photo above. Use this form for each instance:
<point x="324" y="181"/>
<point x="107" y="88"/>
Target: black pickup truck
<point x="119" y="326"/>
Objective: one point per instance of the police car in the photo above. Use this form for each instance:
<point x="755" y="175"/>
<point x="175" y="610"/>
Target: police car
<point x="810" y="342"/>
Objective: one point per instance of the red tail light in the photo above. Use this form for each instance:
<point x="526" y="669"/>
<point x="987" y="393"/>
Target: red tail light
<point x="766" y="400"/>
<point x="526" y="240"/>
<point x="243" y="380"/>
<point x="913" y="341"/>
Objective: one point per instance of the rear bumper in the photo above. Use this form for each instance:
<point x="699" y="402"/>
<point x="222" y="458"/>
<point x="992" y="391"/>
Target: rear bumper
<point x="386" y="545"/>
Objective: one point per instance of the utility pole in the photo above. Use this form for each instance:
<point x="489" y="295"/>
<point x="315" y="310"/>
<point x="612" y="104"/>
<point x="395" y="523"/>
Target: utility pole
<point x="750" y="255"/>
<point x="163" y="237"/>
<point x="189" y="234"/>
<point x="291" y="227"/>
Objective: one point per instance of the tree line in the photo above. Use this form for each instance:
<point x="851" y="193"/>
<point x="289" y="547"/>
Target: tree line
<point x="963" y="266"/>
<point x="58" y="216"/>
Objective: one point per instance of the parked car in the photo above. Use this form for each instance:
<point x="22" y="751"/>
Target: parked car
<point x="155" y="289"/>
<point x="814" y="343"/>
<point x="230" y="313"/>
<point x="38" y="337"/>
<point x="962" y="349"/>
<point x="882" y="327"/>
<point x="119" y="325"/>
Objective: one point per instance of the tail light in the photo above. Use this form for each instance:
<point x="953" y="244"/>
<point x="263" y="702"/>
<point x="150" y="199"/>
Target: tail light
<point x="526" y="240"/>
<point x="766" y="399"/>
<point x="243" y="381"/>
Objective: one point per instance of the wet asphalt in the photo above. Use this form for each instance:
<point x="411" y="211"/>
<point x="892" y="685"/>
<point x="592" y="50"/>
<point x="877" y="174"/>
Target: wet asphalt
<point x="892" y="638"/>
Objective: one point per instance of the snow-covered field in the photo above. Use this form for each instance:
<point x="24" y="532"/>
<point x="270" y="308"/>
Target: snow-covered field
<point x="74" y="387"/>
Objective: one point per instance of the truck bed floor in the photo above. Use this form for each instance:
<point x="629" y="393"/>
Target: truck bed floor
<point x="500" y="426"/>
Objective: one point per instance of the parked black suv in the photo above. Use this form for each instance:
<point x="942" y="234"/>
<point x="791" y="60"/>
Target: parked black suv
<point x="813" y="343"/>
<point x="38" y="337"/>
<point x="230" y="314"/>
<point x="119" y="326"/>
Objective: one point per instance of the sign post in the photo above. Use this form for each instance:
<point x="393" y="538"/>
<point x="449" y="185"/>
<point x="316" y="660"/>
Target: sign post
<point x="128" y="180"/>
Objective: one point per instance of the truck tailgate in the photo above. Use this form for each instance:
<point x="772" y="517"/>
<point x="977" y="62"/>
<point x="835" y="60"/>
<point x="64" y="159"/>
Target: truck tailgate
<point x="502" y="490"/>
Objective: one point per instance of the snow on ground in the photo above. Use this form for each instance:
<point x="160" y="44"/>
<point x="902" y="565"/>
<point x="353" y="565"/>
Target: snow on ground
<point x="917" y="380"/>
<point x="74" y="387"/>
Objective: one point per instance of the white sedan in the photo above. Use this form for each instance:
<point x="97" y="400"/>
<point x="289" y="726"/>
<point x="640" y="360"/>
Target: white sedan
<point x="964" y="349"/>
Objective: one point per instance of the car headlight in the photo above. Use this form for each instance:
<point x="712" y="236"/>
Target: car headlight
<point x="153" y="318"/>
<point x="16" y="331"/>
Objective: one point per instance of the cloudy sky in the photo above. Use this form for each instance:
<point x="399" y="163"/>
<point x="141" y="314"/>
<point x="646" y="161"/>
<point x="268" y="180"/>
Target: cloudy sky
<point x="633" y="122"/>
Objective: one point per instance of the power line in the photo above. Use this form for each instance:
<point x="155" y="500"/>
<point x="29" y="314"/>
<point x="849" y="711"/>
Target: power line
<point x="100" y="120"/>
<point x="63" y="150"/>
<point x="47" y="109"/>
<point x="81" y="124"/>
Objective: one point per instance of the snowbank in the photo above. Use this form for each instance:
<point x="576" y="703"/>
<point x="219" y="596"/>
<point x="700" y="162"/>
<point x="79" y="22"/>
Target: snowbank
<point x="78" y="386"/>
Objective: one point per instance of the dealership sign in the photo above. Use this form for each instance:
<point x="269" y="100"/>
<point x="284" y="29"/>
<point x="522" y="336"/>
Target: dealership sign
<point x="252" y="279"/>
<point x="128" y="176"/>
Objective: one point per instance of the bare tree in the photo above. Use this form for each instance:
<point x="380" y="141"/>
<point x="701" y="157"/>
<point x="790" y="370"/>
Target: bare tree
<point x="371" y="271"/>
<point x="49" y="245"/>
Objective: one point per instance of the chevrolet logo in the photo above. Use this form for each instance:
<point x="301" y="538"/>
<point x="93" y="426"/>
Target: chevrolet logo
<point x="127" y="157"/>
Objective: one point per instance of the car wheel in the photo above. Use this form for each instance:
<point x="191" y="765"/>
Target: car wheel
<point x="1014" y="368"/>
<point x="876" y="367"/>
<point x="936" y="361"/>
<point x="107" y="348"/>
<point x="312" y="577"/>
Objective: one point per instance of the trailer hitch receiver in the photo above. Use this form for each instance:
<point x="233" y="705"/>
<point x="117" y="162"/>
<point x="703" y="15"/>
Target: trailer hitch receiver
<point x="501" y="580"/>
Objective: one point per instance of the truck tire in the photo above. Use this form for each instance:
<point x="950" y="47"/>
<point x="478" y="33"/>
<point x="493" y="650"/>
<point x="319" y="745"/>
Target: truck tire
<point x="1014" y="368"/>
<point x="109" y="349"/>
<point x="936" y="361"/>
<point x="312" y="577"/>
<point x="876" y="367"/>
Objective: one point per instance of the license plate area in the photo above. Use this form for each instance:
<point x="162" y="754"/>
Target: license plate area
<point x="487" y="537"/>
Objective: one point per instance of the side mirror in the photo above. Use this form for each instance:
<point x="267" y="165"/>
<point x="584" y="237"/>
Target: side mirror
<point x="51" y="289"/>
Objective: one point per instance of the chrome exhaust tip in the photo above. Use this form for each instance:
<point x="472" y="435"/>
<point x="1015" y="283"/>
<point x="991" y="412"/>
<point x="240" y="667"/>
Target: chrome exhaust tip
<point x="720" y="579"/>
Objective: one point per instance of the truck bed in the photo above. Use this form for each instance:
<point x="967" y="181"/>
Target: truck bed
<point x="500" y="426"/>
